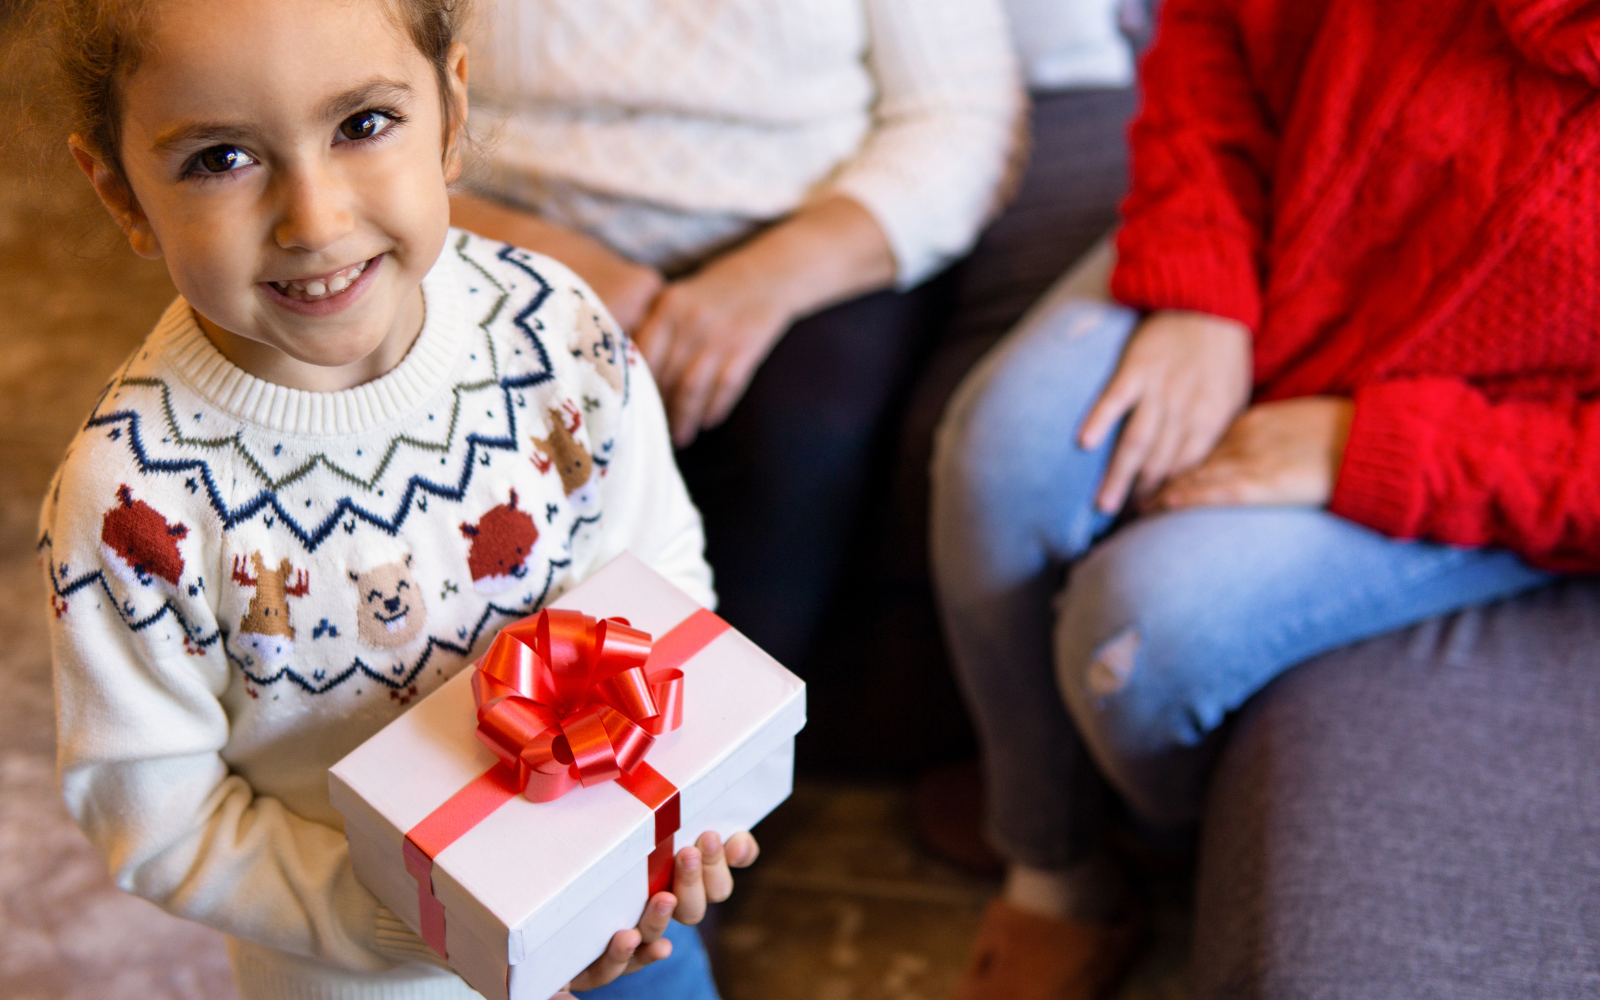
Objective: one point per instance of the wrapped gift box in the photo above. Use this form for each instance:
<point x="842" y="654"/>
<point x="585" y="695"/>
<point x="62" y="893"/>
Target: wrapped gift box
<point x="523" y="895"/>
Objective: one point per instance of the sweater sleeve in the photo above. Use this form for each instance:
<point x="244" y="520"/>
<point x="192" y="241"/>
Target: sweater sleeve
<point x="1435" y="458"/>
<point x="647" y="510"/>
<point x="947" y="128"/>
<point x="1203" y="149"/>
<point x="139" y="674"/>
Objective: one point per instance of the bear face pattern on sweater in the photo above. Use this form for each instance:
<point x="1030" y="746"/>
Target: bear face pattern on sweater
<point x="390" y="608"/>
<point x="323" y="558"/>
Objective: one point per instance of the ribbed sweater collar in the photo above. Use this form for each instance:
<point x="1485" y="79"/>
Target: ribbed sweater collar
<point x="385" y="400"/>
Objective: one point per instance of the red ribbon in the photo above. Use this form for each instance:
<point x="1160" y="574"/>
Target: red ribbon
<point x="565" y="700"/>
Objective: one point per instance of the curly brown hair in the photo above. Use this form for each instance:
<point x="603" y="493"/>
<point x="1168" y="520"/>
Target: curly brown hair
<point x="98" y="44"/>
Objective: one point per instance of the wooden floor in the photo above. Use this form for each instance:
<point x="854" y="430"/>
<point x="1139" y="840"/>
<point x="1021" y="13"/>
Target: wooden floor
<point x="843" y="906"/>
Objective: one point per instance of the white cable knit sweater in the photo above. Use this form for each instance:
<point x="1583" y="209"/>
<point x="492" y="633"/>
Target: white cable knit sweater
<point x="669" y="128"/>
<point x="247" y="581"/>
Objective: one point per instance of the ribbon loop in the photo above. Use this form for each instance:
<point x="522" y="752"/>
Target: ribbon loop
<point x="565" y="700"/>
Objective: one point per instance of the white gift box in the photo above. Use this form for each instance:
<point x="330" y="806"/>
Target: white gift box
<point x="534" y="891"/>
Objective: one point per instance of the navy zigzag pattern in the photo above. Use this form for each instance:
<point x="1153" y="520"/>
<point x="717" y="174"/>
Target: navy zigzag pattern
<point x="313" y="535"/>
<point x="129" y="618"/>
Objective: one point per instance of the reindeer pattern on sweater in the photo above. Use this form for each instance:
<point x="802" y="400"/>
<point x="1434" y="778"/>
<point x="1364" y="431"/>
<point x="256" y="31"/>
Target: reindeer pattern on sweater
<point x="354" y="565"/>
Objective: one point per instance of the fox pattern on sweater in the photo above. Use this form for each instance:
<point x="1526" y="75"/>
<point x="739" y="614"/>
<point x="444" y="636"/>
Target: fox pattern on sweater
<point x="368" y="563"/>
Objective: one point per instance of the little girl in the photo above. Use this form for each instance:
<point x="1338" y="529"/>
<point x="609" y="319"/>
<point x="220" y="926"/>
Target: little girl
<point x="357" y="444"/>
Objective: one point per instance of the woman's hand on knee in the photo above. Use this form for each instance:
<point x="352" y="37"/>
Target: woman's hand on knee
<point x="704" y="338"/>
<point x="1277" y="454"/>
<point x="1183" y="377"/>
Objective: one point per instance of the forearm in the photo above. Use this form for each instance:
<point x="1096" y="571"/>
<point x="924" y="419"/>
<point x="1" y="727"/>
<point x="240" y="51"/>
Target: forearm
<point x="824" y="254"/>
<point x="510" y="225"/>
<point x="627" y="288"/>
<point x="1436" y="458"/>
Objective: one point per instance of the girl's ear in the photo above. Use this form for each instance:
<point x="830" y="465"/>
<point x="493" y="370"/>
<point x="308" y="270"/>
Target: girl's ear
<point x="457" y="98"/>
<point x="118" y="199"/>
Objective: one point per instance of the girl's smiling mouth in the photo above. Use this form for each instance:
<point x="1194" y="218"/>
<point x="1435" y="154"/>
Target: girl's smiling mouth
<point x="326" y="293"/>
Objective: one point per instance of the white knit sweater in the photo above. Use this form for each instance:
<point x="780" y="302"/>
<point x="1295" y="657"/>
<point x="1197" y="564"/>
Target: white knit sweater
<point x="247" y="581"/>
<point x="670" y="128"/>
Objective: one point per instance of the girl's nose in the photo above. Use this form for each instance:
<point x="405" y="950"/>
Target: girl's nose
<point x="315" y="211"/>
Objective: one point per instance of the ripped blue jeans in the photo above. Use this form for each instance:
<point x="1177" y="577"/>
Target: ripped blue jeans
<point x="1099" y="660"/>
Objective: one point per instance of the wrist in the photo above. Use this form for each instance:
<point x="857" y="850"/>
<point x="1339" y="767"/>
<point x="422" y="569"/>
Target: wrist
<point x="826" y="253"/>
<point x="756" y="272"/>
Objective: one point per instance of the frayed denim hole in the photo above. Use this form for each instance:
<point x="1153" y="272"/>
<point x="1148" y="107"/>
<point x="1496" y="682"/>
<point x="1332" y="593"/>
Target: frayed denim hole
<point x="1113" y="664"/>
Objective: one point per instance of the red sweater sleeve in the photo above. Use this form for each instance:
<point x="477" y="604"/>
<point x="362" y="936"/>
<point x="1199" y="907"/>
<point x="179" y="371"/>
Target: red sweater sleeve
<point x="1435" y="458"/>
<point x="1203" y="149"/>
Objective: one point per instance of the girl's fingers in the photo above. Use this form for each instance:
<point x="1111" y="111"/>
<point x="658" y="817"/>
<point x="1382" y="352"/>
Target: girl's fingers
<point x="742" y="850"/>
<point x="650" y="954"/>
<point x="689" y="886"/>
<point x="716" y="878"/>
<point x="609" y="965"/>
<point x="1138" y="436"/>
<point x="1114" y="403"/>
<point x="657" y="915"/>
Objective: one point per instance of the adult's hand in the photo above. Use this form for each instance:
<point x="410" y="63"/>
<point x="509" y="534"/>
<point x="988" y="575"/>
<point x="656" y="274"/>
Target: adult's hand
<point x="1183" y="377"/>
<point x="627" y="289"/>
<point x="1276" y="454"/>
<point x="707" y="334"/>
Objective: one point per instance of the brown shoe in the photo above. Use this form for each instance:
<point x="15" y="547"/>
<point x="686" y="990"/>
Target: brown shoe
<point x="1025" y="956"/>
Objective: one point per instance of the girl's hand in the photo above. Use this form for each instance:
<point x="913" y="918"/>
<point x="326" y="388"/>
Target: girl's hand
<point x="1285" y="453"/>
<point x="1183" y="376"/>
<point x="705" y="336"/>
<point x="700" y="875"/>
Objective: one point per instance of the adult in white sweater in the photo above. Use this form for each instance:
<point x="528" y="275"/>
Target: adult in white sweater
<point x="757" y="190"/>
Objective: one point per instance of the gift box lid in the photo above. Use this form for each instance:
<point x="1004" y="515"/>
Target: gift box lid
<point x="524" y="871"/>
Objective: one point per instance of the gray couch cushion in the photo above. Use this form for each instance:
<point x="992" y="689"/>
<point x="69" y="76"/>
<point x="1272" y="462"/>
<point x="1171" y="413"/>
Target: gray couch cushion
<point x="1415" y="817"/>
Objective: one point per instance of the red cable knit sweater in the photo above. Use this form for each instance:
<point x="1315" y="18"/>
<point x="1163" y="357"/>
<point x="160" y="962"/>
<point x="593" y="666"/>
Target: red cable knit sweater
<point x="1400" y="200"/>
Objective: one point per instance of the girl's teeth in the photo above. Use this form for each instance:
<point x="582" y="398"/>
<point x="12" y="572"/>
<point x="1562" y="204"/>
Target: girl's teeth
<point x="335" y="283"/>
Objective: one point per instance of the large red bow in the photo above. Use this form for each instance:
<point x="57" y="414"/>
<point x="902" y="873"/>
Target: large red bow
<point x="565" y="700"/>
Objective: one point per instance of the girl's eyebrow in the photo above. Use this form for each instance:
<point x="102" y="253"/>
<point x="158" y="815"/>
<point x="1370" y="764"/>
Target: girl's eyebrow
<point x="199" y="133"/>
<point x="333" y="109"/>
<point x="378" y="91"/>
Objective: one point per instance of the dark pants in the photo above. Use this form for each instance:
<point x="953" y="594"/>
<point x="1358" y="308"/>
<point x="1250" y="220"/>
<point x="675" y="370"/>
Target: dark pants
<point x="782" y="483"/>
<point x="883" y="693"/>
<point x="815" y="491"/>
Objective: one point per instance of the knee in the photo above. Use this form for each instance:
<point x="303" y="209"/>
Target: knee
<point x="1016" y="413"/>
<point x="1136" y="642"/>
<point x="1141" y="663"/>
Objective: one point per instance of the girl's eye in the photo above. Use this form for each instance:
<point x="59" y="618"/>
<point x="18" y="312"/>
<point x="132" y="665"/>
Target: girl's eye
<point x="364" y="125"/>
<point x="221" y="160"/>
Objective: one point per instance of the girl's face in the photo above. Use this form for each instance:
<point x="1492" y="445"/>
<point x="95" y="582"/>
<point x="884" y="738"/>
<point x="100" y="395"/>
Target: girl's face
<point x="289" y="160"/>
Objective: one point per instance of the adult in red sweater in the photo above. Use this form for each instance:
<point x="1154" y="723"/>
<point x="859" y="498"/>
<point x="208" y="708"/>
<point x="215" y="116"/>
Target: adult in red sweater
<point x="1350" y="380"/>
